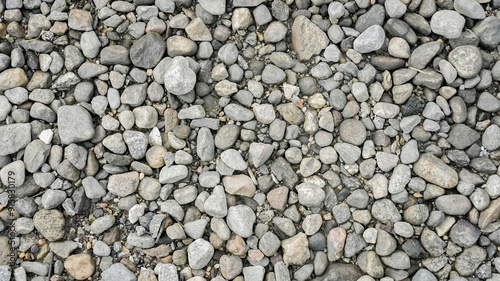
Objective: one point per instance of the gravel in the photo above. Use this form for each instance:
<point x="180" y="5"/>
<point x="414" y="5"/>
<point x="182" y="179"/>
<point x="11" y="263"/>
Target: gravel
<point x="250" y="139"/>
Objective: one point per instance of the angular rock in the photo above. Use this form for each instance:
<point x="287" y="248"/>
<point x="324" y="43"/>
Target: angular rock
<point x="307" y="38"/>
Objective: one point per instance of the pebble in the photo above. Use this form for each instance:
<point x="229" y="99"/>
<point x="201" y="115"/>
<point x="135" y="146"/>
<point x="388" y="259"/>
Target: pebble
<point x="80" y="266"/>
<point x="303" y="32"/>
<point x="240" y="220"/>
<point x="467" y="60"/>
<point x="433" y="170"/>
<point x="447" y="23"/>
<point x="453" y="204"/>
<point x="179" y="78"/>
<point x="116" y="272"/>
<point x="200" y="253"/>
<point x="305" y="132"/>
<point x="50" y="223"/>
<point x="370" y="40"/>
<point x="295" y="249"/>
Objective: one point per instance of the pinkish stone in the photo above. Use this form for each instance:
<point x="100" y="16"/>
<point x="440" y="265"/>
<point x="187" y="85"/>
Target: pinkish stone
<point x="335" y="242"/>
<point x="278" y="197"/>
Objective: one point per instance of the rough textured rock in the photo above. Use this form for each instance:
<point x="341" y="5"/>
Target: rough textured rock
<point x="307" y="38"/>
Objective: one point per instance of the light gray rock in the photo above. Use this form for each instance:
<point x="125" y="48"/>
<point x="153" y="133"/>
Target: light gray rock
<point x="179" y="78"/>
<point x="467" y="60"/>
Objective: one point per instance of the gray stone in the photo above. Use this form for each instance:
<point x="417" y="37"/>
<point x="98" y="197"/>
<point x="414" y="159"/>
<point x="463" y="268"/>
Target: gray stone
<point x="205" y="144"/>
<point x="384" y="211"/>
<point x="491" y="138"/>
<point x="74" y="124"/>
<point x="310" y="195"/>
<point x="370" y="40"/>
<point x="200" y="253"/>
<point x="433" y="170"/>
<point x="50" y="224"/>
<point x="14" y="137"/>
<point x="462" y="136"/>
<point x="273" y="75"/>
<point x="240" y="220"/>
<point x="470" y="9"/>
<point x="304" y="32"/>
<point x="447" y="23"/>
<point x="173" y="174"/>
<point x="353" y="131"/>
<point x="488" y="31"/>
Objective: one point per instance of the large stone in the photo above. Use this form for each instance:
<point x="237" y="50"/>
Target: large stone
<point x="179" y="78"/>
<point x="435" y="171"/>
<point x="307" y="38"/>
<point x="14" y="137"/>
<point x="469" y="260"/>
<point x="335" y="243"/>
<point x="118" y="272"/>
<point x="123" y="184"/>
<point x="80" y="266"/>
<point x="260" y="153"/>
<point x="372" y="39"/>
<point x="11" y="78"/>
<point x="74" y="124"/>
<point x="239" y="185"/>
<point x="447" y="23"/>
<point x="488" y="31"/>
<point x="296" y="249"/>
<point x="214" y="7"/>
<point x="462" y="136"/>
<point x="491" y="214"/>
<point x="467" y="60"/>
<point x="200" y="253"/>
<point x="341" y="272"/>
<point x="148" y="50"/>
<point x="240" y="220"/>
<point x="50" y="224"/>
<point x="80" y="20"/>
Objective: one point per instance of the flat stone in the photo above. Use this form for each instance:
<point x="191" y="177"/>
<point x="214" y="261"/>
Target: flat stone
<point x="80" y="20"/>
<point x="217" y="7"/>
<point x="455" y="205"/>
<point x="118" y="272"/>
